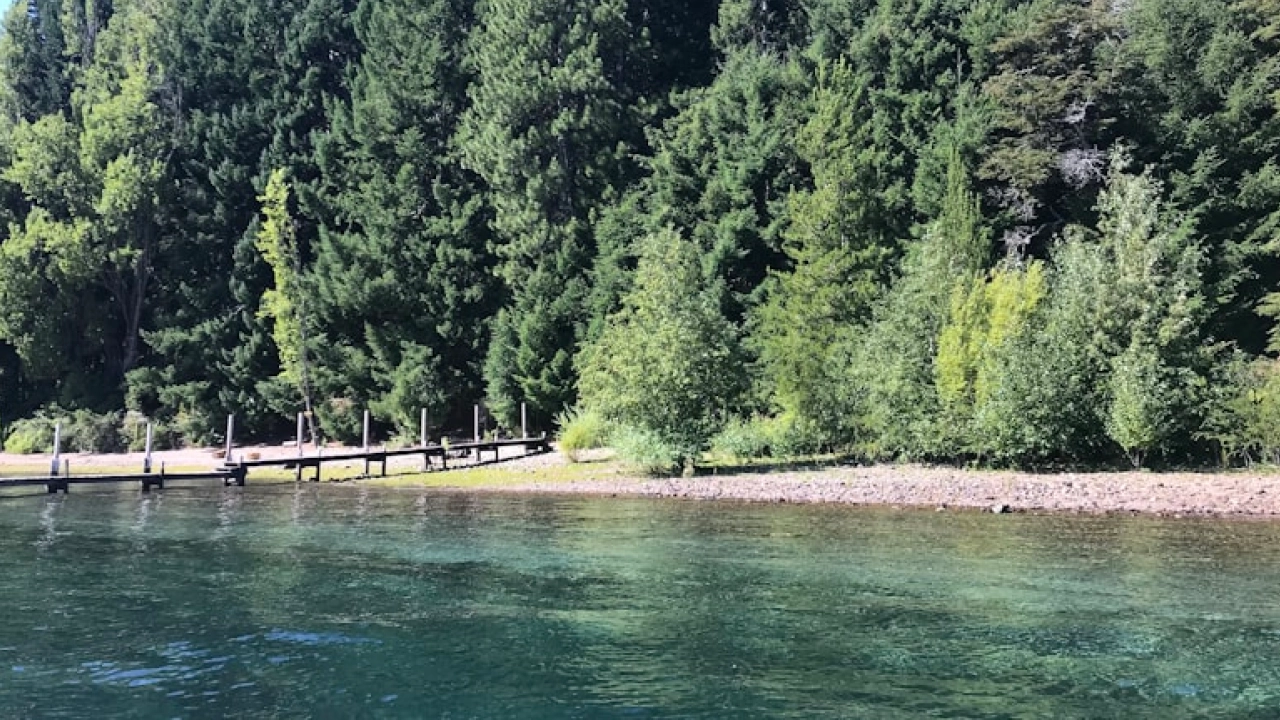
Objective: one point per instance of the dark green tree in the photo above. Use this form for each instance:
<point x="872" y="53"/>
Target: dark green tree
<point x="403" y="276"/>
<point x="549" y="129"/>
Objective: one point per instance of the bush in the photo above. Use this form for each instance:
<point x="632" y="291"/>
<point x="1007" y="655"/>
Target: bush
<point x="581" y="430"/>
<point x="133" y="432"/>
<point x="86" y="431"/>
<point x="645" y="451"/>
<point x="1243" y="415"/>
<point x="194" y="429"/>
<point x="30" y="435"/>
<point x="745" y="439"/>
<point x="794" y="436"/>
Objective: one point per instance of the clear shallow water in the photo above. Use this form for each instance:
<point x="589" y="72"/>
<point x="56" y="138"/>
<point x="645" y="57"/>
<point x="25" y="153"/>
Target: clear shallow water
<point x="340" y="601"/>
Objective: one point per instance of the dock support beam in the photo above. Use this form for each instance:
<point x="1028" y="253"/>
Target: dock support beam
<point x="234" y="475"/>
<point x="157" y="482"/>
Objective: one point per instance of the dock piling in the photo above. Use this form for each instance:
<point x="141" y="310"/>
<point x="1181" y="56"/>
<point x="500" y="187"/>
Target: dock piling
<point x="146" y="459"/>
<point x="231" y="427"/>
<point x="422" y="441"/>
<point x="57" y="448"/>
<point x="365" y="447"/>
<point x="297" y="476"/>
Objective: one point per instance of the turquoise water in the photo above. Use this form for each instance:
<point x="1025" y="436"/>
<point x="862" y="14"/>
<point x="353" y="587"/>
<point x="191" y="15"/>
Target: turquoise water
<point x="341" y="601"/>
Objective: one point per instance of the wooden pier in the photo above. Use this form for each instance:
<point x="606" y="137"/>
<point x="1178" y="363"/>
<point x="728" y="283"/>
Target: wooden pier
<point x="434" y="457"/>
<point x="370" y="457"/>
<point x="236" y="471"/>
<point x="63" y="483"/>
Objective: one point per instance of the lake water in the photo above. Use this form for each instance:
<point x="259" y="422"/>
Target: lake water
<point x="344" y="602"/>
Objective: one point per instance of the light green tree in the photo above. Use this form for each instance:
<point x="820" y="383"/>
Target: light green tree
<point x="285" y="303"/>
<point x="667" y="363"/>
<point x="95" y="185"/>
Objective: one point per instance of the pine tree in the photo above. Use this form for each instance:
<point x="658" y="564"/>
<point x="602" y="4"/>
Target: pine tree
<point x="549" y="129"/>
<point x="403" y="278"/>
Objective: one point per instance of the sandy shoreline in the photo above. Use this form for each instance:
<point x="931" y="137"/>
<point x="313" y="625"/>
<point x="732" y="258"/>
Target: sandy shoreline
<point x="1235" y="494"/>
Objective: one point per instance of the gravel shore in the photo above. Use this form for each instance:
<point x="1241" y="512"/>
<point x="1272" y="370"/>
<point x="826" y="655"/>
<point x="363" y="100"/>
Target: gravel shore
<point x="1234" y="494"/>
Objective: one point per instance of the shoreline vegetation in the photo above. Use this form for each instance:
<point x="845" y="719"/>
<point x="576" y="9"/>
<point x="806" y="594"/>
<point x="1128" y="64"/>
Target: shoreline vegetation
<point x="1019" y="233"/>
<point x="1241" y="494"/>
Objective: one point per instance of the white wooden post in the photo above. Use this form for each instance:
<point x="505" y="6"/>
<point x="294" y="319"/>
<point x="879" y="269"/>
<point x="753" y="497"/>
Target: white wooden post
<point x="231" y="429"/>
<point x="422" y="441"/>
<point x="524" y="422"/>
<point x="301" y="421"/>
<point x="146" y="460"/>
<point x="366" y="441"/>
<point x="57" y="448"/>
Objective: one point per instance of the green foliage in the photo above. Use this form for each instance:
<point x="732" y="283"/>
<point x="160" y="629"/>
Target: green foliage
<point x="987" y="317"/>
<point x="277" y="241"/>
<point x="745" y="439"/>
<point x="30" y="435"/>
<point x="474" y="185"/>
<point x="1118" y="356"/>
<point x="805" y="330"/>
<point x="1139" y="416"/>
<point x="667" y="363"/>
<point x="647" y="451"/>
<point x="82" y="431"/>
<point x="89" y="432"/>
<point x="549" y="128"/>
<point x="402" y="276"/>
<point x="581" y="430"/>
<point x="896" y="361"/>
<point x="1243" y="418"/>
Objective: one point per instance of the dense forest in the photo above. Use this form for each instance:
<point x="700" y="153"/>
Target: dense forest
<point x="997" y="231"/>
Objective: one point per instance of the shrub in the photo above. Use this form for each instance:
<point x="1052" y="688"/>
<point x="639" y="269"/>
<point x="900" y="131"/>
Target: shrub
<point x="581" y="430"/>
<point x="194" y="428"/>
<point x="645" y="451"/>
<point x="1243" y="415"/>
<point x="795" y="436"/>
<point x="133" y="432"/>
<point x="745" y="439"/>
<point x="30" y="435"/>
<point x="86" y="431"/>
